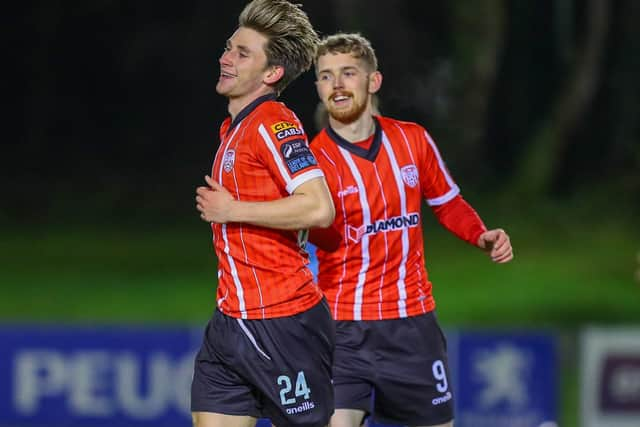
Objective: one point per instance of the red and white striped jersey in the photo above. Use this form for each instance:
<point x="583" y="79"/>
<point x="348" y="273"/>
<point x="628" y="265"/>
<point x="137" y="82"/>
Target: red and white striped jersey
<point x="378" y="272"/>
<point x="263" y="155"/>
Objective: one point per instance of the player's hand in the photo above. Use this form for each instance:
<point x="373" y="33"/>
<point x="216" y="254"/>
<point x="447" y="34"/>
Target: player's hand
<point x="214" y="202"/>
<point x="328" y="239"/>
<point x="497" y="245"/>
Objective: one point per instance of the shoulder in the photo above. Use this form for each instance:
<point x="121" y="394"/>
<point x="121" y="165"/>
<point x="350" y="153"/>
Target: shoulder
<point x="322" y="145"/>
<point x="225" y="125"/>
<point x="271" y="112"/>
<point x="278" y="120"/>
<point x="326" y="150"/>
<point x="320" y="139"/>
<point x="389" y="124"/>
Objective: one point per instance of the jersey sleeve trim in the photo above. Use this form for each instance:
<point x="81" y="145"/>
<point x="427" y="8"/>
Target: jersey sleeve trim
<point x="276" y="156"/>
<point x="302" y="178"/>
<point x="455" y="190"/>
<point x="444" y="199"/>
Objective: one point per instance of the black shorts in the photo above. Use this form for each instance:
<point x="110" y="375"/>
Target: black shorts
<point x="396" y="370"/>
<point x="274" y="368"/>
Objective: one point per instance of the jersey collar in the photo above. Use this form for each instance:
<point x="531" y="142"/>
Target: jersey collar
<point x="369" y="154"/>
<point x="249" y="108"/>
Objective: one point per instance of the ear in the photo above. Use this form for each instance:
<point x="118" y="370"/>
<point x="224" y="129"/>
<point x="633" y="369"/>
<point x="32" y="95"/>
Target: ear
<point x="273" y="74"/>
<point x="375" y="81"/>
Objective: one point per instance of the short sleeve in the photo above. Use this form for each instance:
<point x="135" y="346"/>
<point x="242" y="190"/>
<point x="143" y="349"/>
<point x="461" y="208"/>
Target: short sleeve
<point x="438" y="187"/>
<point x="283" y="147"/>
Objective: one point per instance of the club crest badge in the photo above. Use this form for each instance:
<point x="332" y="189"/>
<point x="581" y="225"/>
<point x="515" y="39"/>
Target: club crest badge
<point x="410" y="175"/>
<point x="228" y="160"/>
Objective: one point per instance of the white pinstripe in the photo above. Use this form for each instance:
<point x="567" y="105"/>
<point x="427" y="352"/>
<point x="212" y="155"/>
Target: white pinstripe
<point x="402" y="269"/>
<point x="413" y="160"/>
<point x="225" y="238"/>
<point x="344" y="253"/>
<point x="366" y="219"/>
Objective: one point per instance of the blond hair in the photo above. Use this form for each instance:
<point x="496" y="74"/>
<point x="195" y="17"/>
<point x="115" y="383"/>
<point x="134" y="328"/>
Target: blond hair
<point x="292" y="40"/>
<point x="351" y="43"/>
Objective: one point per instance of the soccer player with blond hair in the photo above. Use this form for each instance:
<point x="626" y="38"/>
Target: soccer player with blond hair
<point x="390" y="360"/>
<point x="267" y="351"/>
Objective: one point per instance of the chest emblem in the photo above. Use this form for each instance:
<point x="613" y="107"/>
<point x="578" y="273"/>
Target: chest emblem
<point x="410" y="175"/>
<point x="228" y="160"/>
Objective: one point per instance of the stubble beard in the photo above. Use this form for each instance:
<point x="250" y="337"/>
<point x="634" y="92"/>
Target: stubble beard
<point x="348" y="116"/>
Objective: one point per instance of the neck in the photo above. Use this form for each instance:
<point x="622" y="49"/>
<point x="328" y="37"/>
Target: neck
<point x="238" y="104"/>
<point x="356" y="131"/>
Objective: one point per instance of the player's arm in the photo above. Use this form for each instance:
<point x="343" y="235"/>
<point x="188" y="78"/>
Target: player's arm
<point x="453" y="212"/>
<point x="309" y="205"/>
<point x="461" y="219"/>
<point x="328" y="239"/>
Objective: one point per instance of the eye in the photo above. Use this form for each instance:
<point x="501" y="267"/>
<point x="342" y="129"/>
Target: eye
<point x="243" y="54"/>
<point x="325" y="77"/>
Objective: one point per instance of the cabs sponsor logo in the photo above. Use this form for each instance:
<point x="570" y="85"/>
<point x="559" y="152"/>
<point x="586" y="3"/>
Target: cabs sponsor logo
<point x="280" y="126"/>
<point x="283" y="130"/>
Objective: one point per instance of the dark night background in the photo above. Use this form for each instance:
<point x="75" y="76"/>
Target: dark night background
<point x="115" y="115"/>
<point x="111" y="121"/>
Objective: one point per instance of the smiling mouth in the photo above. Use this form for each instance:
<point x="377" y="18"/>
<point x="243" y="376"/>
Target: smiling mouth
<point x="339" y="98"/>
<point x="340" y="102"/>
<point x="224" y="75"/>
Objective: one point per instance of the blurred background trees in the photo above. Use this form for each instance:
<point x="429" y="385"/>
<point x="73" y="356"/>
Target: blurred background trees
<point x="115" y="113"/>
<point x="112" y="121"/>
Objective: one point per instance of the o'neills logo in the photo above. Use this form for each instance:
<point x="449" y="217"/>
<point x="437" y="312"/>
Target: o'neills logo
<point x="384" y="225"/>
<point x="352" y="189"/>
<point x="442" y="399"/>
<point x="306" y="406"/>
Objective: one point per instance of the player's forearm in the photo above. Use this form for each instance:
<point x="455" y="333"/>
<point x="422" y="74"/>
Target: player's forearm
<point x="461" y="219"/>
<point x="295" y="212"/>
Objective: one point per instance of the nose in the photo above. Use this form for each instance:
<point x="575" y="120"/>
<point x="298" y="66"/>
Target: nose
<point x="337" y="82"/>
<point x="225" y="58"/>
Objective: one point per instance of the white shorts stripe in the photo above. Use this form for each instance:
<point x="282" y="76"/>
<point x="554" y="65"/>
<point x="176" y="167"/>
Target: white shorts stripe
<point x="249" y="335"/>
